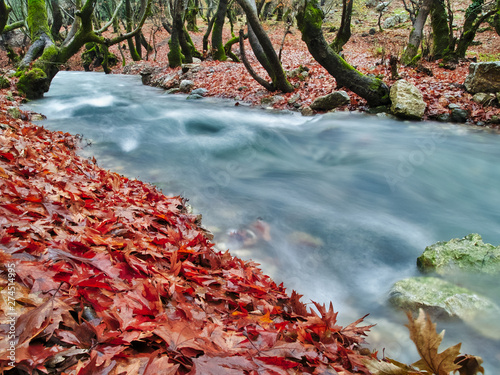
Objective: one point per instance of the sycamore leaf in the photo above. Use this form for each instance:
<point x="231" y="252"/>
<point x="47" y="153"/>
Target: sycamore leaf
<point x="391" y="367"/>
<point x="427" y="340"/>
<point x="469" y="364"/>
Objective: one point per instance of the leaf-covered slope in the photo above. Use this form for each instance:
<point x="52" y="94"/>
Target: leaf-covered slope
<point x="106" y="275"/>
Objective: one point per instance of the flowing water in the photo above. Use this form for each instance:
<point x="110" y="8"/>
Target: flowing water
<point x="338" y="207"/>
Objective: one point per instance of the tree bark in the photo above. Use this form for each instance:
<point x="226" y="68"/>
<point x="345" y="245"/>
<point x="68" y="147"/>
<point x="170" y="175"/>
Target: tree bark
<point x="440" y="30"/>
<point x="57" y="19"/>
<point x="134" y="54"/>
<point x="416" y="33"/>
<point x="266" y="52"/>
<point x="496" y="19"/>
<point x="4" y="15"/>
<point x="344" y="33"/>
<point x="309" y="20"/>
<point x="175" y="56"/>
<point x="218" y="52"/>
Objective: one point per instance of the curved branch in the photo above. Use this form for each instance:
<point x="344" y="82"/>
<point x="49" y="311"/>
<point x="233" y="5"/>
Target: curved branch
<point x="249" y="68"/>
<point x="110" y="22"/>
<point x="121" y="38"/>
<point x="13" y="26"/>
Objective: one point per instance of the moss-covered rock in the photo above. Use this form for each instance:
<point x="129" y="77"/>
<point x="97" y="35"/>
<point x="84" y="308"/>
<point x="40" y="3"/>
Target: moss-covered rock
<point x="33" y="83"/>
<point x="469" y="254"/>
<point x="440" y="298"/>
<point x="4" y="83"/>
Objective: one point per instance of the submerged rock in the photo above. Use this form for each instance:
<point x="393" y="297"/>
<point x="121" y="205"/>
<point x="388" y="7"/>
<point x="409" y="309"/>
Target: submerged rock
<point x="331" y="101"/>
<point x="469" y="254"/>
<point x="407" y="101"/>
<point x="440" y="298"/>
<point x="483" y="77"/>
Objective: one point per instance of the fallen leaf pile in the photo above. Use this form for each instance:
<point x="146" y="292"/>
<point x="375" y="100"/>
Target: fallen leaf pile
<point x="106" y="275"/>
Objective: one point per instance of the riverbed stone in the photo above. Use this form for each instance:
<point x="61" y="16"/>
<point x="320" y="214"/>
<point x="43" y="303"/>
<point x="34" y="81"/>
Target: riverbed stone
<point x="199" y="91"/>
<point x="468" y="254"/>
<point x="459" y="115"/>
<point x="483" y="77"/>
<point x="407" y="101"/>
<point x="331" y="101"/>
<point x="484" y="98"/>
<point x="306" y="111"/>
<point x="440" y="298"/>
<point x="186" y="85"/>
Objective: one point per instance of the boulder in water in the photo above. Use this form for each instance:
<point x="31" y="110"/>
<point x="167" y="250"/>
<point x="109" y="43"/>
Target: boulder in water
<point x="407" y="101"/>
<point x="186" y="86"/>
<point x="330" y="101"/>
<point x="469" y="254"/>
<point x="440" y="298"/>
<point x="483" y="77"/>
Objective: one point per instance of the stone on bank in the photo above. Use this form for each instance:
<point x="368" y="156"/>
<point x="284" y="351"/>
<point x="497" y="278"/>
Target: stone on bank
<point x="407" y="101"/>
<point x="469" y="254"/>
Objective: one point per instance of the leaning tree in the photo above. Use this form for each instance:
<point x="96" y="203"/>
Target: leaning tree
<point x="309" y="20"/>
<point x="44" y="57"/>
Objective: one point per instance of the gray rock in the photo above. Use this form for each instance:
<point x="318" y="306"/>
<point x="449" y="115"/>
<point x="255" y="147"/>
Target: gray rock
<point x="271" y="100"/>
<point x="469" y="254"/>
<point x="307" y="111"/>
<point x="294" y="98"/>
<point x="382" y="6"/>
<point x="200" y="91"/>
<point x="440" y="298"/>
<point x="186" y="85"/>
<point x="190" y="67"/>
<point x="331" y="101"/>
<point x="483" y="77"/>
<point x="173" y="90"/>
<point x="194" y="96"/>
<point x="390" y="22"/>
<point x="371" y="3"/>
<point x="484" y="98"/>
<point x="407" y="101"/>
<point x="459" y="115"/>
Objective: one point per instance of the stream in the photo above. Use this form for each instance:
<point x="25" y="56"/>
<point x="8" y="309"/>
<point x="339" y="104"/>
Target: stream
<point x="337" y="207"/>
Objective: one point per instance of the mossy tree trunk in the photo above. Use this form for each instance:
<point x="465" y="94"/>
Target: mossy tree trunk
<point x="218" y="52"/>
<point x="129" y="20"/>
<point x="416" y="33"/>
<point x="344" y="33"/>
<point x="4" y="15"/>
<point x="44" y="58"/>
<point x="473" y="19"/>
<point x="440" y="30"/>
<point x="175" y="56"/>
<point x="309" y="20"/>
<point x="263" y="48"/>
<point x="191" y="14"/>
<point x="57" y="19"/>
<point x="496" y="19"/>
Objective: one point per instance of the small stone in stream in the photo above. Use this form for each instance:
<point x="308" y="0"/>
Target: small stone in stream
<point x="194" y="96"/>
<point x="186" y="86"/>
<point x="173" y="90"/>
<point x="307" y="111"/>
<point x="459" y="115"/>
<point x="201" y="91"/>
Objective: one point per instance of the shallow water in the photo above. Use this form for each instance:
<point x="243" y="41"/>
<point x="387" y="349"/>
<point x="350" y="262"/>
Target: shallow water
<point x="337" y="207"/>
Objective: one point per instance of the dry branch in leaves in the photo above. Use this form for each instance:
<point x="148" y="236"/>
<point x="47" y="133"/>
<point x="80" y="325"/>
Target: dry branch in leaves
<point x="113" y="277"/>
<point x="423" y="333"/>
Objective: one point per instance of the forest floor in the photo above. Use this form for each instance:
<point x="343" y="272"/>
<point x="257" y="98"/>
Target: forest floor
<point x="368" y="53"/>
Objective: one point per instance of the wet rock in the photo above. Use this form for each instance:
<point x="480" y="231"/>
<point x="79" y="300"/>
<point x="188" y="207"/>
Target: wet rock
<point x="443" y="117"/>
<point x="483" y="77"/>
<point x="459" y="115"/>
<point x="186" y="86"/>
<point x="331" y="101"/>
<point x="440" y="298"/>
<point x="200" y="91"/>
<point x="305" y="239"/>
<point x="271" y="100"/>
<point x="468" y="254"/>
<point x="407" y="101"/>
<point x="194" y="97"/>
<point x="484" y="98"/>
<point x="307" y="111"/>
<point x="173" y="90"/>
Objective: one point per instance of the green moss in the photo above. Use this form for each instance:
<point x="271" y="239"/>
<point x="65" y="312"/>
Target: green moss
<point x="4" y="83"/>
<point x="33" y="83"/>
<point x="37" y="18"/>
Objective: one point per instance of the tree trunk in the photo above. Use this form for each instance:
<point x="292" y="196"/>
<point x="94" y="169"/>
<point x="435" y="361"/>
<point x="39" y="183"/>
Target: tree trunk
<point x="207" y="34"/>
<point x="416" y="33"/>
<point x="191" y="14"/>
<point x="129" y="23"/>
<point x="440" y="30"/>
<point x="4" y="15"/>
<point x="57" y="19"/>
<point x="344" y="33"/>
<point x="175" y="56"/>
<point x="263" y="48"/>
<point x="496" y="19"/>
<point x="218" y="52"/>
<point x="309" y="21"/>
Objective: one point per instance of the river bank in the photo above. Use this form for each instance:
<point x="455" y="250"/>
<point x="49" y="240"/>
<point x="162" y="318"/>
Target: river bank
<point x="106" y="274"/>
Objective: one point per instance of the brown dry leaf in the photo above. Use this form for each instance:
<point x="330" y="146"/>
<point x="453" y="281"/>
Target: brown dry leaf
<point x="423" y="333"/>
<point x="377" y="367"/>
<point x="469" y="364"/>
